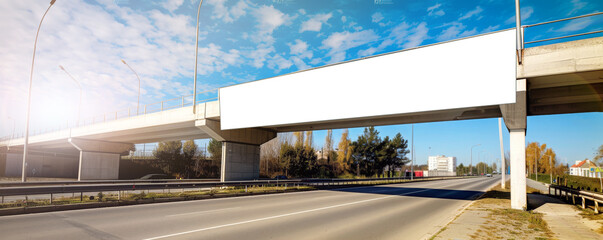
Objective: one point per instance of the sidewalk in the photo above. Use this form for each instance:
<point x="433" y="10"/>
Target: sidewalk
<point x="563" y="219"/>
<point x="490" y="217"/>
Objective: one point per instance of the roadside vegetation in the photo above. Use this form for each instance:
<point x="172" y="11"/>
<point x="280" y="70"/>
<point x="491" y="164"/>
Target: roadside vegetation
<point x="148" y="196"/>
<point x="491" y="218"/>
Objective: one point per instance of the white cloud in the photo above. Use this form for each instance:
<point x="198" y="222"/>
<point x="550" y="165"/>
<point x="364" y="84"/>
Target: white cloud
<point x="526" y="12"/>
<point x="172" y="5"/>
<point x="435" y="10"/>
<point x="338" y="43"/>
<point x="344" y="19"/>
<point x="260" y="55"/>
<point x="418" y="35"/>
<point x="576" y="25"/>
<point x="89" y="39"/>
<point x="456" y="30"/>
<point x="228" y="15"/>
<point x="471" y="13"/>
<point x="299" y="47"/>
<point x="278" y="63"/>
<point x="315" y="22"/>
<point x="377" y="17"/>
<point x="269" y="19"/>
<point x="577" y="5"/>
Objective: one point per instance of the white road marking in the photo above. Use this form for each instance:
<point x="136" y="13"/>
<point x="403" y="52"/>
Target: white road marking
<point x="287" y="214"/>
<point x="201" y="212"/>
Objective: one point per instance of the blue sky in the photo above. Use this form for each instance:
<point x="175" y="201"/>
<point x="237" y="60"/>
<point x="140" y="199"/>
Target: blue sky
<point x="242" y="40"/>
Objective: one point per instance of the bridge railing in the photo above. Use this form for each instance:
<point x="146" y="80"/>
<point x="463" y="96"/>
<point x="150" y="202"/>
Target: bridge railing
<point x="577" y="195"/>
<point x="173" y="103"/>
<point x="524" y="27"/>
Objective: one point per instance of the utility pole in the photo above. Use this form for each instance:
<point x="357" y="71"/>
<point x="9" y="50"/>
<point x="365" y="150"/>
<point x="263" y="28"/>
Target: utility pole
<point x="502" y="155"/>
<point x="412" y="163"/>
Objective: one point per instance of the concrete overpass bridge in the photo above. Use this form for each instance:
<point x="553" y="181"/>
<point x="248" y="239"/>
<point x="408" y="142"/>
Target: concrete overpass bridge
<point x="477" y="77"/>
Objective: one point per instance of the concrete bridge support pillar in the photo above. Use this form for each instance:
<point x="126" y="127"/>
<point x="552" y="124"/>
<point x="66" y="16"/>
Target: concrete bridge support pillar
<point x="515" y="120"/>
<point x="240" y="149"/>
<point x="99" y="160"/>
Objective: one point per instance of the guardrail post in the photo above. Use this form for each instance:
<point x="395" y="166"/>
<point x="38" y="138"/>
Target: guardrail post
<point x="574" y="199"/>
<point x="51" y="198"/>
<point x="118" y="195"/>
<point x="583" y="203"/>
<point x="596" y="207"/>
<point x="81" y="196"/>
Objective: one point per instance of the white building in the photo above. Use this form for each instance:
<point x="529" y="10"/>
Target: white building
<point x="442" y="163"/>
<point x="584" y="168"/>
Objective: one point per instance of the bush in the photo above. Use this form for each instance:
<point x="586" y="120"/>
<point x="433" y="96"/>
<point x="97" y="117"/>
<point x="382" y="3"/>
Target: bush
<point x="584" y="183"/>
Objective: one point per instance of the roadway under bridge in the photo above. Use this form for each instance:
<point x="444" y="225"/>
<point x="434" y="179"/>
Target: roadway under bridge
<point x="471" y="78"/>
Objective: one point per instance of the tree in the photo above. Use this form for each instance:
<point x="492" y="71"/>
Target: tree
<point x="598" y="158"/>
<point x="190" y="150"/>
<point x="169" y="157"/>
<point x="366" y="152"/>
<point x="309" y="140"/>
<point x="344" y="153"/>
<point x="534" y="153"/>
<point x="215" y="150"/>
<point x="400" y="149"/>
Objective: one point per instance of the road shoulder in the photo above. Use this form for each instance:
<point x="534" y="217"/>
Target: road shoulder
<point x="490" y="217"/>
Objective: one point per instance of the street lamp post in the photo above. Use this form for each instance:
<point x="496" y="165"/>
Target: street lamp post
<point x="412" y="149"/>
<point x="196" y="56"/>
<point x="471" y="164"/>
<point x="33" y="59"/>
<point x="138" y="101"/>
<point x="79" y="107"/>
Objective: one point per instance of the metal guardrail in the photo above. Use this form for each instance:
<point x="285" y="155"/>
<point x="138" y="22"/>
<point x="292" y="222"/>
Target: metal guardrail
<point x="173" y="103"/>
<point x="556" y="21"/>
<point x="95" y="182"/>
<point x="180" y="184"/>
<point x="567" y="193"/>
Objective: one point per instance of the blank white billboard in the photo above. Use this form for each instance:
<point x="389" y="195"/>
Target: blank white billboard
<point x="477" y="71"/>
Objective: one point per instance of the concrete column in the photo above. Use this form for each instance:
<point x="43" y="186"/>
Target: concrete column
<point x="99" y="160"/>
<point x="240" y="161"/>
<point x="240" y="149"/>
<point x="515" y="116"/>
<point x="518" y="169"/>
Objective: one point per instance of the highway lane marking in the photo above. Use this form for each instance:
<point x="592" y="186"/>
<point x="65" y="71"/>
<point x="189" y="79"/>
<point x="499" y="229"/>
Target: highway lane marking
<point x="285" y="215"/>
<point x="201" y="212"/>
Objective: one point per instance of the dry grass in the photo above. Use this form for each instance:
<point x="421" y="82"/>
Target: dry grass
<point x="501" y="222"/>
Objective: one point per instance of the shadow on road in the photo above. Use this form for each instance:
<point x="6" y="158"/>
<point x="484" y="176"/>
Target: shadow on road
<point x="415" y="192"/>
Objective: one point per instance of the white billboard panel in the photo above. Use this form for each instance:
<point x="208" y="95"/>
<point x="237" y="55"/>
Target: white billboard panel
<point x="477" y="71"/>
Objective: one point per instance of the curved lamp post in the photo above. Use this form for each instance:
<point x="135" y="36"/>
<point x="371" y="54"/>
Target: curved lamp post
<point x="196" y="56"/>
<point x="79" y="107"/>
<point x="138" y="101"/>
<point x="33" y="59"/>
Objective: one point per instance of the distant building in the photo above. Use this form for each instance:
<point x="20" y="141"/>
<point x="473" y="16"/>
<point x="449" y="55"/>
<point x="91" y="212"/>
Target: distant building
<point x="441" y="164"/>
<point x="584" y="168"/>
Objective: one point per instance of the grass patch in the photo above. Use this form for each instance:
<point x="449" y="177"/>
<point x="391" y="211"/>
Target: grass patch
<point x="146" y="195"/>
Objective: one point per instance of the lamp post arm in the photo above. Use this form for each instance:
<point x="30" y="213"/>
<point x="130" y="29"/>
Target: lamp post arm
<point x="33" y="59"/>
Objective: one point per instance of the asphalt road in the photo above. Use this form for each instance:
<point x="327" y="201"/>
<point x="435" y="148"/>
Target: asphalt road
<point x="396" y="211"/>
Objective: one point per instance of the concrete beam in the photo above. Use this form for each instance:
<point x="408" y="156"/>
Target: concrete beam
<point x="100" y="146"/>
<point x="515" y="114"/>
<point x="562" y="58"/>
<point x="253" y="136"/>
